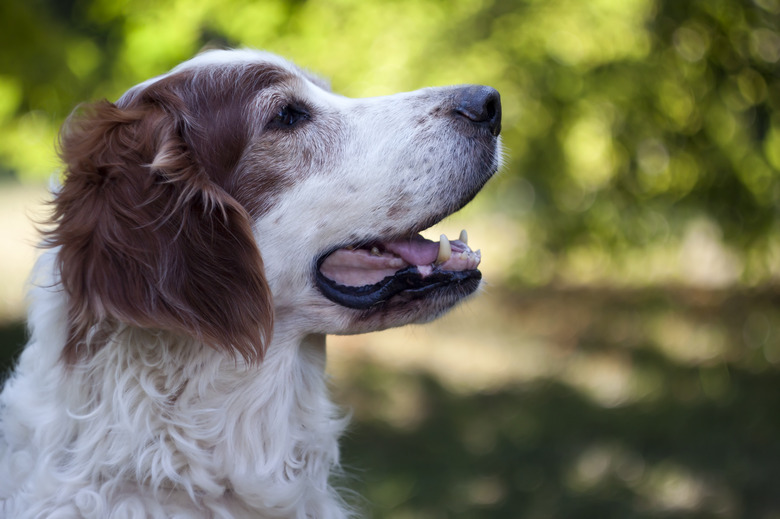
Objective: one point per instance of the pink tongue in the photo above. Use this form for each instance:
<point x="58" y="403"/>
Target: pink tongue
<point x="415" y="251"/>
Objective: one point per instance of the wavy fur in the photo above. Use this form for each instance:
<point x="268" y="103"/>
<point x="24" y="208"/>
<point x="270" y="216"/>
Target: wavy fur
<point x="176" y="361"/>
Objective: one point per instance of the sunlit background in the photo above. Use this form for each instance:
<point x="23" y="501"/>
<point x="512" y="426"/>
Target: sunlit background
<point x="623" y="360"/>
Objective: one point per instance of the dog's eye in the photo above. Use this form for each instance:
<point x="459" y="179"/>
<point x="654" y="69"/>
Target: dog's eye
<point x="288" y="116"/>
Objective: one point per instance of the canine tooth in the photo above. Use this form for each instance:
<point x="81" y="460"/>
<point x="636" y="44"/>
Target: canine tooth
<point x="464" y="237"/>
<point x="445" y="251"/>
<point x="375" y="251"/>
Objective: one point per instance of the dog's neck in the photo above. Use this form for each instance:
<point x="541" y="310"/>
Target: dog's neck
<point x="178" y="425"/>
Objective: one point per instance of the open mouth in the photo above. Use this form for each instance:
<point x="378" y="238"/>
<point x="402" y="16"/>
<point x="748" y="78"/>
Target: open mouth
<point x="364" y="276"/>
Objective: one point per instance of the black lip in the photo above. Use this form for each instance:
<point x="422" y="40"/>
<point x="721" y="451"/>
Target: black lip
<point x="408" y="281"/>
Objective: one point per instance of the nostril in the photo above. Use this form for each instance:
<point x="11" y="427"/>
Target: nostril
<point x="480" y="105"/>
<point x="490" y="108"/>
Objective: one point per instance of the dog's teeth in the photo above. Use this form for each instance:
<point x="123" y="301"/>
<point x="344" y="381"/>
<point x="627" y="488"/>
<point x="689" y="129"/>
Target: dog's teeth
<point x="375" y="251"/>
<point x="464" y="237"/>
<point x="445" y="251"/>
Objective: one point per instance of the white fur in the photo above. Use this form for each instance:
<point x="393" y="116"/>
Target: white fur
<point x="106" y="441"/>
<point x="156" y="425"/>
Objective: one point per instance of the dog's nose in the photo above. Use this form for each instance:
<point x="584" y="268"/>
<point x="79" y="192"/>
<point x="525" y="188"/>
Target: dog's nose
<point x="480" y="105"/>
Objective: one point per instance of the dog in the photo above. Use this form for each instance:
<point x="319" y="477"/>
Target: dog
<point x="211" y="227"/>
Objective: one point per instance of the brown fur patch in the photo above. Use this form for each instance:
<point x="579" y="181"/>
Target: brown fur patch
<point x="149" y="232"/>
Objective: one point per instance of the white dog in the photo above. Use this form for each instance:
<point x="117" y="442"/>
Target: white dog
<point x="212" y="226"/>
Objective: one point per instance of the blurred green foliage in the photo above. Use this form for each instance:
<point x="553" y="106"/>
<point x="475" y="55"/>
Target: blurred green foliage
<point x="630" y="125"/>
<point x="639" y="134"/>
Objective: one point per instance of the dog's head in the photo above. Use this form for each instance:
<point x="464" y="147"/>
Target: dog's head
<point x="237" y="190"/>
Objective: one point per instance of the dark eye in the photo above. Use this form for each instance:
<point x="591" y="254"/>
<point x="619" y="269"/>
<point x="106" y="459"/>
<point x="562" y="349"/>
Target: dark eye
<point x="288" y="116"/>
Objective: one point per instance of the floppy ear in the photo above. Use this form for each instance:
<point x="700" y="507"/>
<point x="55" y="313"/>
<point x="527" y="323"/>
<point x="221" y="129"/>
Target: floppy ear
<point x="148" y="239"/>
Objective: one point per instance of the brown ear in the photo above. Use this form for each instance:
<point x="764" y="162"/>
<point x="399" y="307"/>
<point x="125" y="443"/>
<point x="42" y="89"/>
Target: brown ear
<point x="147" y="239"/>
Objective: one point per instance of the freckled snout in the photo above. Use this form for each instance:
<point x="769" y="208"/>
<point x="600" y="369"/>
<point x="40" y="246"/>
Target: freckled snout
<point x="480" y="105"/>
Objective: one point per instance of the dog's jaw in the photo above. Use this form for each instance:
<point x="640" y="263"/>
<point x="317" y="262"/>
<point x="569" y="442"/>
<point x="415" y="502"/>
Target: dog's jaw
<point x="403" y="163"/>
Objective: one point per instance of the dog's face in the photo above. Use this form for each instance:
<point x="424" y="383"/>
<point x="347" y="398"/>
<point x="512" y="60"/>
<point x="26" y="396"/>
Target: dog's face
<point x="255" y="188"/>
<point x="363" y="177"/>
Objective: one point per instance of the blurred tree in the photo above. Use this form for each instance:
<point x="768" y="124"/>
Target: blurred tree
<point x="673" y="120"/>
<point x="635" y="128"/>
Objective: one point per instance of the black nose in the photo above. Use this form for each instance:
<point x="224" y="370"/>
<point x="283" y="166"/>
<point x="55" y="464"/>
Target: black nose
<point x="480" y="105"/>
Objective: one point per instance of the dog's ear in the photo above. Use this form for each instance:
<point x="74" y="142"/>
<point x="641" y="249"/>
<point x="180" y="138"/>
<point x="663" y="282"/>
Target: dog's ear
<point x="148" y="239"/>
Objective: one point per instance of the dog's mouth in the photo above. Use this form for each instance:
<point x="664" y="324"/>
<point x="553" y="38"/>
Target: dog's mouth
<point x="366" y="275"/>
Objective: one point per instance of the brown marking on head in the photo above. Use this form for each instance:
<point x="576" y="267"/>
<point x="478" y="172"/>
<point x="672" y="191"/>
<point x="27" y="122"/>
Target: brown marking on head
<point x="150" y="230"/>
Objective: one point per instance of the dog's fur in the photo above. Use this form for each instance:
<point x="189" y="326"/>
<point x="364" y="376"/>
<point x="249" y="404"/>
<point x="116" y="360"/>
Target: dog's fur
<point x="176" y="360"/>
